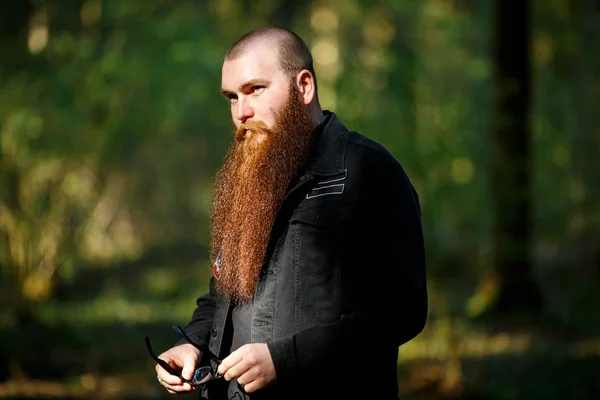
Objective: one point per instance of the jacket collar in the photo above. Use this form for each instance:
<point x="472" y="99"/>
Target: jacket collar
<point x="331" y="147"/>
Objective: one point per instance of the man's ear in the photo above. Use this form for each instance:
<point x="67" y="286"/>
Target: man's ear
<point x="306" y="85"/>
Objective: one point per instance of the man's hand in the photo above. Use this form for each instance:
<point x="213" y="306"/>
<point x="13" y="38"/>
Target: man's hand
<point x="252" y="365"/>
<point x="182" y="358"/>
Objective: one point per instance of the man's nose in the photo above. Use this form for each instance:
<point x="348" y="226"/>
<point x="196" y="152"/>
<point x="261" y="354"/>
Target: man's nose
<point x="243" y="110"/>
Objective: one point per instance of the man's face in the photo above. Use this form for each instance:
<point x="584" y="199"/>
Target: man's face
<point x="257" y="88"/>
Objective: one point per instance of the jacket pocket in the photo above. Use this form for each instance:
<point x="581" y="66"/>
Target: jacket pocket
<point x="319" y="236"/>
<point x="318" y="254"/>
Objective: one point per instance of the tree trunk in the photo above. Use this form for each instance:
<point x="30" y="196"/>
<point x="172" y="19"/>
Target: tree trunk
<point x="516" y="288"/>
<point x="586" y="136"/>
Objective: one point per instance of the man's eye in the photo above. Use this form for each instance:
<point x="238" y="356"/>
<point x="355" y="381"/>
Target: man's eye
<point x="232" y="97"/>
<point x="257" y="89"/>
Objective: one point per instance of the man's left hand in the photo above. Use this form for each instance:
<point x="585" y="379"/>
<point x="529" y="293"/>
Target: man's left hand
<point x="252" y="365"/>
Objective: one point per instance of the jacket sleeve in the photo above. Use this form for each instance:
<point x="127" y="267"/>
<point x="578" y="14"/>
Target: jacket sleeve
<point x="199" y="326"/>
<point x="388" y="257"/>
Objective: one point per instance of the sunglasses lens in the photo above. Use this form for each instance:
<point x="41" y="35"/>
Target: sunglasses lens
<point x="202" y="375"/>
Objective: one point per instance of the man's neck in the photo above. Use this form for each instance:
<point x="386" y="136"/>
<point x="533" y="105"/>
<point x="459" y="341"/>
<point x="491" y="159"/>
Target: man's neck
<point x="316" y="114"/>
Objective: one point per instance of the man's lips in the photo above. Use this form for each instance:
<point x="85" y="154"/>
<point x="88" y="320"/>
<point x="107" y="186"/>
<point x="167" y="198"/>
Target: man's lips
<point x="252" y="129"/>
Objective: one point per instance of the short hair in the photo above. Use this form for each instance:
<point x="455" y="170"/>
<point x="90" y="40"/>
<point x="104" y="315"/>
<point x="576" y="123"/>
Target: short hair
<point x="294" y="55"/>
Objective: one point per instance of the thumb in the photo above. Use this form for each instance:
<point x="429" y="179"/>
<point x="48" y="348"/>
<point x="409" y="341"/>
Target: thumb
<point x="189" y="366"/>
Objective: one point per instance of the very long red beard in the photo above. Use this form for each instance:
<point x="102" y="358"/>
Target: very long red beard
<point x="248" y="191"/>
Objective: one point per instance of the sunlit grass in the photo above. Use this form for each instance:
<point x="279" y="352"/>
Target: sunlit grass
<point x="107" y="309"/>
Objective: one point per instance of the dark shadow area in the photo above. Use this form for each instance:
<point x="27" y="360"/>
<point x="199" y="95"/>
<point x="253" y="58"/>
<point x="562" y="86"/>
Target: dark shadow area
<point x="70" y="350"/>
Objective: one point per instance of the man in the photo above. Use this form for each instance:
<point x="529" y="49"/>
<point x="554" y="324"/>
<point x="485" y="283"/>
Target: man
<point x="319" y="268"/>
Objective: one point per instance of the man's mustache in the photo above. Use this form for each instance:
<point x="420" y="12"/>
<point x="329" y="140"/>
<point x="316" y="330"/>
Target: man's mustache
<point x="254" y="126"/>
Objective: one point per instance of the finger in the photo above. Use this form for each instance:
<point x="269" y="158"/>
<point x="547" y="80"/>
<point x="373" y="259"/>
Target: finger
<point x="237" y="370"/>
<point x="252" y="386"/>
<point x="167" y="377"/>
<point x="177" y="387"/>
<point x="185" y="387"/>
<point x="230" y="361"/>
<point x="247" y="377"/>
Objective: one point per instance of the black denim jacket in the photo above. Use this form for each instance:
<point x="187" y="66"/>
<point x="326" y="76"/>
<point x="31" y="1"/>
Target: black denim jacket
<point x="343" y="284"/>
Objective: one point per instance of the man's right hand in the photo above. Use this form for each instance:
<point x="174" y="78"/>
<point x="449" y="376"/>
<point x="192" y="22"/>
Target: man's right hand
<point x="183" y="358"/>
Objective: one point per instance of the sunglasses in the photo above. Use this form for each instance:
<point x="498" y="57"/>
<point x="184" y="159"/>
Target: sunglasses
<point x="202" y="375"/>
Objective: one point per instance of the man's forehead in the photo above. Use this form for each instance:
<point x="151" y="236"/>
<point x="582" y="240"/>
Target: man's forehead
<point x="256" y="61"/>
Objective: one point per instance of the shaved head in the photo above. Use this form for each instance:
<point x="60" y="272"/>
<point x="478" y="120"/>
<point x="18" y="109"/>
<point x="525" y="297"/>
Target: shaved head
<point x="294" y="55"/>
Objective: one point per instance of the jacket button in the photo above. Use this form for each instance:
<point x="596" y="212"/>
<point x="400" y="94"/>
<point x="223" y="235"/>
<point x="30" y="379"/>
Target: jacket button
<point x="213" y="332"/>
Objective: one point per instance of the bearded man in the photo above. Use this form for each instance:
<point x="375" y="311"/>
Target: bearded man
<point x="317" y="245"/>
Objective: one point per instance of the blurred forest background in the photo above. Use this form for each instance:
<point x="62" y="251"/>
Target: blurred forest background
<point x="112" y="127"/>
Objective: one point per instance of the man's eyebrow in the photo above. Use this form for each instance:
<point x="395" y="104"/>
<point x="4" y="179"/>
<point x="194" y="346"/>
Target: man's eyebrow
<point x="251" y="82"/>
